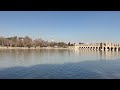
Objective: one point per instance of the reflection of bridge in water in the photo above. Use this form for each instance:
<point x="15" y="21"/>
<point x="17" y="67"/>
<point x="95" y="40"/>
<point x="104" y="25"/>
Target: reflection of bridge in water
<point x="99" y="46"/>
<point x="101" y="54"/>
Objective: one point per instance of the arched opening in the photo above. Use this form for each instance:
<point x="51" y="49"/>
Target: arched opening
<point x="111" y="48"/>
<point x="96" y="47"/>
<point x="108" y="48"/>
<point x="119" y="49"/>
<point x="91" y="48"/>
<point x="88" y="47"/>
<point x="99" y="48"/>
<point x="104" y="48"/>
<point x="115" y="48"/>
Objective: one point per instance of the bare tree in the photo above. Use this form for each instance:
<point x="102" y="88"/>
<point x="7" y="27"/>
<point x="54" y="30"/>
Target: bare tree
<point x="27" y="42"/>
<point x="20" y="42"/>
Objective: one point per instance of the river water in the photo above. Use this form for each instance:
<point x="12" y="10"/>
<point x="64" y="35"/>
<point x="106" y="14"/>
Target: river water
<point x="59" y="64"/>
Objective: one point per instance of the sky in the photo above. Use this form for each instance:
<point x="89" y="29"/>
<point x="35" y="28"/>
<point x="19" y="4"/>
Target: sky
<point x="67" y="26"/>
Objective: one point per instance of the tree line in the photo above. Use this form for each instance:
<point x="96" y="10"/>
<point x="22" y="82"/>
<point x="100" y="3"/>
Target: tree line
<point x="28" y="42"/>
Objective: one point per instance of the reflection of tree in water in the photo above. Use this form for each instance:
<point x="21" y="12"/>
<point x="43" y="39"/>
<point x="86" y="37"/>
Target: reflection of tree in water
<point x="40" y="52"/>
<point x="57" y="52"/>
<point x="17" y="55"/>
<point x="70" y="52"/>
<point x="62" y="52"/>
<point x="27" y="54"/>
<point x="9" y="55"/>
<point x="3" y="54"/>
<point x="8" y="52"/>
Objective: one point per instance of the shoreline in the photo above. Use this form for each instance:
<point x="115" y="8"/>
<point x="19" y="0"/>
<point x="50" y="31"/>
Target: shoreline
<point x="33" y="48"/>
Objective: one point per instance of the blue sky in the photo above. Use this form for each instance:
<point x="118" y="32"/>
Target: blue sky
<point x="73" y="26"/>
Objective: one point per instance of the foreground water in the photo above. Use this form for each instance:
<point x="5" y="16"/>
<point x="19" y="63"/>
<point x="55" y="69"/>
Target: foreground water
<point x="59" y="64"/>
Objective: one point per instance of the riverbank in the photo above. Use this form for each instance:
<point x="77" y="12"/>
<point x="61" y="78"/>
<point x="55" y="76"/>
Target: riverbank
<point x="34" y="48"/>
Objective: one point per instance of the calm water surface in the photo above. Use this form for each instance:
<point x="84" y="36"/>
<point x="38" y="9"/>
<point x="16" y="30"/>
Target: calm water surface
<point x="59" y="64"/>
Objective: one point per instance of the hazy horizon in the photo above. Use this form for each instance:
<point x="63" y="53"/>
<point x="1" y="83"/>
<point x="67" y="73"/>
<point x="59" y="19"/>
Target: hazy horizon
<point x="67" y="26"/>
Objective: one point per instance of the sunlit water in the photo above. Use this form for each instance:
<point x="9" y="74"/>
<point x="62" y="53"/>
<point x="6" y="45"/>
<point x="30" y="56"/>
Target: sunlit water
<point x="59" y="64"/>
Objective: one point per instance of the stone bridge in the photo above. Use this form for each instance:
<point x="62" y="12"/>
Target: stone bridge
<point x="99" y="46"/>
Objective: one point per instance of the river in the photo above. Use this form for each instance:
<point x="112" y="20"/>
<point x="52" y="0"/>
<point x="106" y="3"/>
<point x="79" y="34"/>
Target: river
<point x="59" y="64"/>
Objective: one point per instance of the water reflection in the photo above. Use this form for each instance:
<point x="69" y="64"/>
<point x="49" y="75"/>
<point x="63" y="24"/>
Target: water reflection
<point x="102" y="55"/>
<point x="11" y="58"/>
<point x="53" y="63"/>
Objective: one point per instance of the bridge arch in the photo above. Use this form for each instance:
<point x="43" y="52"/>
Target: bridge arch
<point x="104" y="48"/>
<point x="108" y="48"/>
<point x="111" y="48"/>
<point x="115" y="48"/>
<point x="96" y="47"/>
<point x="118" y="48"/>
